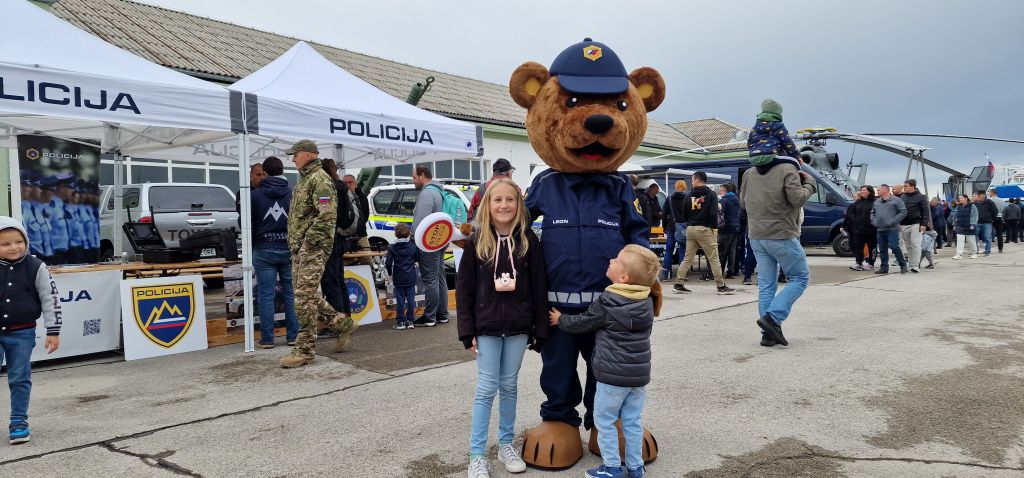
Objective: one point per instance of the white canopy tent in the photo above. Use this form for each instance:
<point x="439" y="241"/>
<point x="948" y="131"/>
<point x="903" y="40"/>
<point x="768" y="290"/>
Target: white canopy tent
<point x="72" y="85"/>
<point x="302" y="95"/>
<point x="75" y="86"/>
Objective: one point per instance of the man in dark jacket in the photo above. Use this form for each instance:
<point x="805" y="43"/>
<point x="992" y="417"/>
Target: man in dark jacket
<point x="917" y="220"/>
<point x="675" y="230"/>
<point x="701" y="216"/>
<point x="938" y="221"/>
<point x="364" y="214"/>
<point x="502" y="169"/>
<point x="271" y="259"/>
<point x="729" y="233"/>
<point x="1011" y="215"/>
<point x="999" y="225"/>
<point x="647" y="193"/>
<point x="857" y="225"/>
<point x="987" y="214"/>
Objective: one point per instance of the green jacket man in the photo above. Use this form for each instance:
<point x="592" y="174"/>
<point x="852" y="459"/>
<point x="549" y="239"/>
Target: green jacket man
<point x="312" y="218"/>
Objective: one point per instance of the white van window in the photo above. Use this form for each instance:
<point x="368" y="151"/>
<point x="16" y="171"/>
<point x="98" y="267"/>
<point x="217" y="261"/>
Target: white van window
<point x="187" y="198"/>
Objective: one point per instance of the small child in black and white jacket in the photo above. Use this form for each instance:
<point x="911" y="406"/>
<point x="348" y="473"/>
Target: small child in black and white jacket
<point x="30" y="293"/>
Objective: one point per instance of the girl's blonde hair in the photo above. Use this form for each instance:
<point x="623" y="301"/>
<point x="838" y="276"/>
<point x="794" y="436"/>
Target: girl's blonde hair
<point x="681" y="185"/>
<point x="486" y="242"/>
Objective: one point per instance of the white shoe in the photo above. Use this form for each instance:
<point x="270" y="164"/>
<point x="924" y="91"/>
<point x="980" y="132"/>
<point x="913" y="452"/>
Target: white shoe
<point x="510" y="457"/>
<point x="478" y="469"/>
<point x="974" y="256"/>
<point x="957" y="257"/>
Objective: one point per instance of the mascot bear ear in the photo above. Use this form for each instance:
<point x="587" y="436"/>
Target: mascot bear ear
<point x="650" y="85"/>
<point x="526" y="82"/>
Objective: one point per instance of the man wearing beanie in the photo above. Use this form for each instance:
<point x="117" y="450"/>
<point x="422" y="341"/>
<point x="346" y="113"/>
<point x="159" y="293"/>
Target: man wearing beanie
<point x="769" y="137"/>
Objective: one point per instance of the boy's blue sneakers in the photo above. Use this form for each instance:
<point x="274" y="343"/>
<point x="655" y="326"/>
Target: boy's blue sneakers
<point x="605" y="472"/>
<point x="19" y="433"/>
<point x="637" y="473"/>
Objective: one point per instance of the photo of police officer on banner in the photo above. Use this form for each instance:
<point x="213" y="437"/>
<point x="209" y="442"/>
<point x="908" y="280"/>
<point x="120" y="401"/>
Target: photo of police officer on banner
<point x="60" y="199"/>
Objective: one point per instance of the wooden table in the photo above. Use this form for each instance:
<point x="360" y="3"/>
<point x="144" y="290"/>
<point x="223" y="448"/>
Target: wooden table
<point x="210" y="268"/>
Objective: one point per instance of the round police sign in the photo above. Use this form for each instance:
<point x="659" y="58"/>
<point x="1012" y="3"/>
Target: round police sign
<point x="434" y="232"/>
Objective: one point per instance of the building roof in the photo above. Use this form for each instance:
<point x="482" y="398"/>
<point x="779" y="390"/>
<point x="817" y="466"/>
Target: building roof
<point x="219" y="50"/>
<point x="712" y="131"/>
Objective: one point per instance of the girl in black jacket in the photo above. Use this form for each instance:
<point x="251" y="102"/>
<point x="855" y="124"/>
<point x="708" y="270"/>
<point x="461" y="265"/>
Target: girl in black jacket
<point x="501" y="293"/>
<point x="857" y="225"/>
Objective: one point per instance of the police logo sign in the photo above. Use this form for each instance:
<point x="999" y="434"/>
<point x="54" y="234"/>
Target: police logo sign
<point x="164" y="313"/>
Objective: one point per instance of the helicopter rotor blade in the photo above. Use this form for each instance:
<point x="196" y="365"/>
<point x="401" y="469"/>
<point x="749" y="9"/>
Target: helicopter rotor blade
<point x="955" y="136"/>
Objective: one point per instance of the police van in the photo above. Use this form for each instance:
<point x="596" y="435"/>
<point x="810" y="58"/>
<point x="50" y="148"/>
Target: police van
<point x="393" y="204"/>
<point x="177" y="209"/>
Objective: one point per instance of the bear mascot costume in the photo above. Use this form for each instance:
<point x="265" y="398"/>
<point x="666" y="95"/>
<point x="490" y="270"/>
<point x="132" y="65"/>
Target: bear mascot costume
<point x="585" y="117"/>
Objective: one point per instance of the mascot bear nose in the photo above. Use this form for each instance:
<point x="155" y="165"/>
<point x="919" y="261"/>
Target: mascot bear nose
<point x="598" y="124"/>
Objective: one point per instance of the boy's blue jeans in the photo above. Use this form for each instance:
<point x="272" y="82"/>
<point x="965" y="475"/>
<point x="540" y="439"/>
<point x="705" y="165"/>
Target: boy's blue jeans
<point x="497" y="363"/>
<point x="16" y="348"/>
<point x="627" y="403"/>
<point x="405" y="303"/>
<point x="788" y="255"/>
<point x="269" y="265"/>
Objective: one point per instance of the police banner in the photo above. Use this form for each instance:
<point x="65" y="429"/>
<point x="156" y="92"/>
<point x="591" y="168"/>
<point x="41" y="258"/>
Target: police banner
<point x="90" y="310"/>
<point x="163" y="316"/>
<point x="60" y="199"/>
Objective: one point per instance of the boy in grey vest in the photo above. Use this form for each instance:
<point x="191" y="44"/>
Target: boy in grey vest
<point x="622" y="316"/>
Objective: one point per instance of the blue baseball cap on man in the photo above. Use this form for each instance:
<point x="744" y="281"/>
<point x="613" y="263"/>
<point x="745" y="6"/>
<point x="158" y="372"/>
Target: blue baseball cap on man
<point x="590" y="68"/>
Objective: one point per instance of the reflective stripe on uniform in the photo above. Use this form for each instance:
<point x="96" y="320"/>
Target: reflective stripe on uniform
<point x="572" y="298"/>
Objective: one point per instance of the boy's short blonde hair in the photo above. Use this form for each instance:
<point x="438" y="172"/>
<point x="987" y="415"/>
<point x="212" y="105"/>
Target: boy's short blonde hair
<point x="641" y="265"/>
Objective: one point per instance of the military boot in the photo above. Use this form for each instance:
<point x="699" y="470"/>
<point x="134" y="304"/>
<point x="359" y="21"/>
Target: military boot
<point x="344" y="328"/>
<point x="294" y="360"/>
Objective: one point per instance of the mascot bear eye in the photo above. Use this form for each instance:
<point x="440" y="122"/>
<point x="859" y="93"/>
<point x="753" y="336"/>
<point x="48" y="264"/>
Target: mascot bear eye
<point x="621" y="105"/>
<point x="571" y="102"/>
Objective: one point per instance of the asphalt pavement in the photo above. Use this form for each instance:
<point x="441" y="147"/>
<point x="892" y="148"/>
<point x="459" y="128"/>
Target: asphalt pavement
<point x="885" y="376"/>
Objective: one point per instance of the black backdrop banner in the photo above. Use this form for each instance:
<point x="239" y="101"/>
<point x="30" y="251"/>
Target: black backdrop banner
<point x="60" y="199"/>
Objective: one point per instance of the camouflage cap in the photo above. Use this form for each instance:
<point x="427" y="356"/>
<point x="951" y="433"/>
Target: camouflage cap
<point x="302" y="145"/>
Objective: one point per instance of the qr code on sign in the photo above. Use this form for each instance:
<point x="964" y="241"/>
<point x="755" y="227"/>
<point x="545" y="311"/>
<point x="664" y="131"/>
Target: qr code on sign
<point x="91" y="327"/>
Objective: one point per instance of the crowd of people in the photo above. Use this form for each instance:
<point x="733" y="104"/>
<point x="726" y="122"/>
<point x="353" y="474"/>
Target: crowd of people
<point x="301" y="234"/>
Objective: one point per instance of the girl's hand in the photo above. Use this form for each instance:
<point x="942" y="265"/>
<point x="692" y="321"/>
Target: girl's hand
<point x="473" y="348"/>
<point x="554" y="315"/>
<point x="52" y="343"/>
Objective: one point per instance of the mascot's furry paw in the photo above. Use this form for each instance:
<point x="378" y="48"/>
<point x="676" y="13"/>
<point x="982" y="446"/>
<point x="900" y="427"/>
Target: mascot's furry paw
<point x="552" y="446"/>
<point x="466" y="230"/>
<point x="650" y="446"/>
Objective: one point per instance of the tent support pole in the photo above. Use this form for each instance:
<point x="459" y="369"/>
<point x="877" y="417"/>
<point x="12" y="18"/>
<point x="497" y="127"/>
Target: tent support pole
<point x="246" y="220"/>
<point x="111" y="144"/>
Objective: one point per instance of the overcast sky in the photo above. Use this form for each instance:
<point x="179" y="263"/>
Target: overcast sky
<point x="921" y="66"/>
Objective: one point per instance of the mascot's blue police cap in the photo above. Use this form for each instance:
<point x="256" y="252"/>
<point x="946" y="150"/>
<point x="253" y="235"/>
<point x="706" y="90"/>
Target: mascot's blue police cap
<point x="590" y="68"/>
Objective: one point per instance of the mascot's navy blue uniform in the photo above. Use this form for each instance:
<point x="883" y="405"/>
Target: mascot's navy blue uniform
<point x="588" y="219"/>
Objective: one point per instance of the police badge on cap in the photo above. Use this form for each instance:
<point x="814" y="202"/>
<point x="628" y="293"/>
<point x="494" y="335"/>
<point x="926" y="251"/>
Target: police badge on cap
<point x="590" y="68"/>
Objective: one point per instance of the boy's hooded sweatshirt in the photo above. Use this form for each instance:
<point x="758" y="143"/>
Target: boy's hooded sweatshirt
<point x="622" y="316"/>
<point x="28" y="290"/>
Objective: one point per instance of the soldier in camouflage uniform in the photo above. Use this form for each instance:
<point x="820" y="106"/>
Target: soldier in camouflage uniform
<point x="311" y="224"/>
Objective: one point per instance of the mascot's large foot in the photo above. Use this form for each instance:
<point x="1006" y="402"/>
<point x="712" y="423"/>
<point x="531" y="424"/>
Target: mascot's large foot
<point x="552" y="446"/>
<point x="650" y="445"/>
